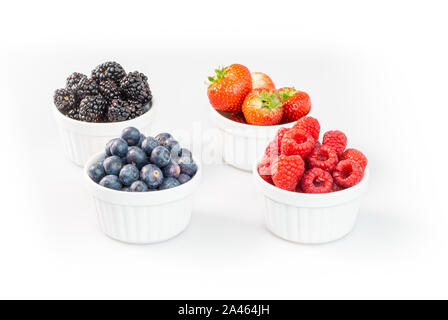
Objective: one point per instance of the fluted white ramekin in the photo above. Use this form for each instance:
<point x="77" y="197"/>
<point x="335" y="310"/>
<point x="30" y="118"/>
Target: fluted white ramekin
<point x="310" y="218"/>
<point x="80" y="140"/>
<point x="142" y="217"/>
<point x="242" y="144"/>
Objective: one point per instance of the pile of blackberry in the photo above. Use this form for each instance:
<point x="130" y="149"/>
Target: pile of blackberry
<point x="109" y="95"/>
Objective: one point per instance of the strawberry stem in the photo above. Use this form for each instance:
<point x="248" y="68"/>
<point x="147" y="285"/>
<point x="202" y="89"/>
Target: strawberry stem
<point x="287" y="93"/>
<point x="220" y="73"/>
<point x="269" y="100"/>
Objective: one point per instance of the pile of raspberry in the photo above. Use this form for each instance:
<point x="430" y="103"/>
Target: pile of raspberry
<point x="296" y="161"/>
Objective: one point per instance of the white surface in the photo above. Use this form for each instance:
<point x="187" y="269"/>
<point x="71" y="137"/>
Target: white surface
<point x="80" y="140"/>
<point x="142" y="218"/>
<point x="377" y="71"/>
<point x="310" y="218"/>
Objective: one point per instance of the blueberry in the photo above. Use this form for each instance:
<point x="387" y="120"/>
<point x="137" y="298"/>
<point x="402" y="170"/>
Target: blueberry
<point x="112" y="165"/>
<point x="169" y="183"/>
<point x="187" y="166"/>
<point x="183" y="178"/>
<point x="184" y="152"/>
<point x="138" y="186"/>
<point x="131" y="135"/>
<point x="172" y="144"/>
<point x="161" y="137"/>
<point x="128" y="174"/>
<point x="142" y="137"/>
<point x="96" y="171"/>
<point x="111" y="182"/>
<point x="151" y="175"/>
<point x="107" y="148"/>
<point x="119" y="148"/>
<point x="149" y="144"/>
<point x="160" y="156"/>
<point x="137" y="157"/>
<point x="171" y="170"/>
<point x="126" y="189"/>
<point x="124" y="161"/>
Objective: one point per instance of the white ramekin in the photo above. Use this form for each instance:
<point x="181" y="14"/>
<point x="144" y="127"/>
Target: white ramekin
<point x="310" y="218"/>
<point x="142" y="217"/>
<point x="80" y="140"/>
<point x="242" y="144"/>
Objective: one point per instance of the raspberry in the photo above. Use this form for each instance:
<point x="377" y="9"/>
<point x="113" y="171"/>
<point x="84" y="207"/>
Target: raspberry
<point x="323" y="157"/>
<point x="287" y="171"/>
<point x="348" y="173"/>
<point x="299" y="188"/>
<point x="264" y="169"/>
<point x="316" y="180"/>
<point x="355" y="155"/>
<point x="335" y="187"/>
<point x="335" y="140"/>
<point x="297" y="142"/>
<point x="274" y="147"/>
<point x="309" y="125"/>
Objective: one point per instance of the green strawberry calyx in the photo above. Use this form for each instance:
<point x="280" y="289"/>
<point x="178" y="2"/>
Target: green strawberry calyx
<point x="220" y="73"/>
<point x="286" y="93"/>
<point x="269" y="100"/>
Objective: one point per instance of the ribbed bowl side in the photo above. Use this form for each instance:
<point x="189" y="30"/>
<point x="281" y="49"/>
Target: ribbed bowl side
<point x="310" y="225"/>
<point x="144" y="224"/>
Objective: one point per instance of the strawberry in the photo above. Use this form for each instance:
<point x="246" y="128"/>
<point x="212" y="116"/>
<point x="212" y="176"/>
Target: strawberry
<point x="296" y="104"/>
<point x="229" y="87"/>
<point x="262" y="108"/>
<point x="262" y="81"/>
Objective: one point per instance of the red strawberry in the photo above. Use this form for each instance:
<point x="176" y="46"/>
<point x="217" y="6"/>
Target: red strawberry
<point x="296" y="104"/>
<point x="262" y="81"/>
<point x="262" y="108"/>
<point x="310" y="125"/>
<point x="229" y="87"/>
<point x="287" y="171"/>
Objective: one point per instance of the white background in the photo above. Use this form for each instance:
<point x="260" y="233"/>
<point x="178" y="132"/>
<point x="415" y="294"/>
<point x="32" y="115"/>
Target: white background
<point x="376" y="70"/>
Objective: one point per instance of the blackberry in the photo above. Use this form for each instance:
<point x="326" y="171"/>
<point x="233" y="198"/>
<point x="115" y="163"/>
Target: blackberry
<point x="93" y="109"/>
<point x="135" y="87"/>
<point x="65" y="100"/>
<point x="109" y="90"/>
<point x="74" y="114"/>
<point x="73" y="80"/>
<point x="108" y="71"/>
<point x="118" y="111"/>
<point x="87" y="87"/>
<point x="136" y="108"/>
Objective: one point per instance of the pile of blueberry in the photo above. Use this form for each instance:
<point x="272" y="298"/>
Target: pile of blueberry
<point x="136" y="163"/>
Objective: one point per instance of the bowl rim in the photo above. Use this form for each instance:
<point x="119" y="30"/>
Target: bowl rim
<point x="311" y="199"/>
<point x="154" y="197"/>
<point x="101" y="125"/>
